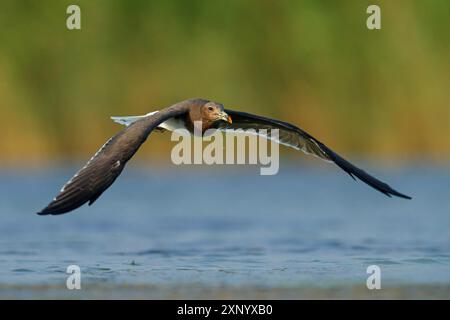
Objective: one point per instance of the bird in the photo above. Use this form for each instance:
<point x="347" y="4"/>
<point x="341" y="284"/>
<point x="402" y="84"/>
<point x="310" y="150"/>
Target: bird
<point x="100" y="172"/>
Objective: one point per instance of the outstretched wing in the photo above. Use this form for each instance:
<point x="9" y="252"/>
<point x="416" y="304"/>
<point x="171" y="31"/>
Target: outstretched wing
<point x="298" y="139"/>
<point x="105" y="166"/>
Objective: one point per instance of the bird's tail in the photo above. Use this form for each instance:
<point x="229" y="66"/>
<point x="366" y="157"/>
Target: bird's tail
<point x="126" y="121"/>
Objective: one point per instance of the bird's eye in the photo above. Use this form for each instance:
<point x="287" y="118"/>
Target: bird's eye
<point x="210" y="108"/>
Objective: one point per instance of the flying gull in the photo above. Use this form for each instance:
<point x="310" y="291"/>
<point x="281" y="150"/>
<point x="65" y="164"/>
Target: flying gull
<point x="100" y="172"/>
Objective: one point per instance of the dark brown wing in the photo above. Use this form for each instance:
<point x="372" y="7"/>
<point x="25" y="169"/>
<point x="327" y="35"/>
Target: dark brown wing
<point x="296" y="138"/>
<point x="106" y="165"/>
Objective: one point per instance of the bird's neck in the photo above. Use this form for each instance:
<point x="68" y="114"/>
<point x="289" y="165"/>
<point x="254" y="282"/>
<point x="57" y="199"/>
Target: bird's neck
<point x="195" y="124"/>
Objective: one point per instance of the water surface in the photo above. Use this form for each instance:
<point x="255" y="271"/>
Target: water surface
<point x="225" y="229"/>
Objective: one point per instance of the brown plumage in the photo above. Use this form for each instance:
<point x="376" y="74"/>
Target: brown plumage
<point x="105" y="166"/>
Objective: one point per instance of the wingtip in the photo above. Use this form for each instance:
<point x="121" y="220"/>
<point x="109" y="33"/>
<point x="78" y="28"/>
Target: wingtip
<point x="400" y="195"/>
<point x="45" y="212"/>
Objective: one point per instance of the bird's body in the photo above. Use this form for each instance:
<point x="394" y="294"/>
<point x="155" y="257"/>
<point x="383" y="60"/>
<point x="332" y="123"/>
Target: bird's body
<point x="106" y="165"/>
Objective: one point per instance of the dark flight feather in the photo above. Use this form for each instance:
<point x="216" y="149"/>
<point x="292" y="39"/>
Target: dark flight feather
<point x="295" y="137"/>
<point x="106" y="165"/>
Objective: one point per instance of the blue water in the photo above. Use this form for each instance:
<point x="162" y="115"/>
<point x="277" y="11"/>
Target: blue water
<point x="228" y="226"/>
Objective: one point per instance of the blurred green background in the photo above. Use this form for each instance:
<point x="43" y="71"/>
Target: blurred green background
<point x="383" y="94"/>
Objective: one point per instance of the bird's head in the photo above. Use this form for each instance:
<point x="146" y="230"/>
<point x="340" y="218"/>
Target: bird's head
<point x="213" y="112"/>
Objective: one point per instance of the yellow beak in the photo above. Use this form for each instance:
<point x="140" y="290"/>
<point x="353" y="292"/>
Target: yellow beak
<point x="225" y="117"/>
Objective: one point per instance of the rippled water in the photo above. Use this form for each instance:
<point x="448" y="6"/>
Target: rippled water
<point x="228" y="227"/>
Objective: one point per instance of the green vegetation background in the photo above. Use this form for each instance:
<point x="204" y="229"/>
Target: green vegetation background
<point x="314" y="63"/>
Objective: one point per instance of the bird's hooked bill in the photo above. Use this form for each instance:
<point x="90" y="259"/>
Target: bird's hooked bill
<point x="225" y="117"/>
